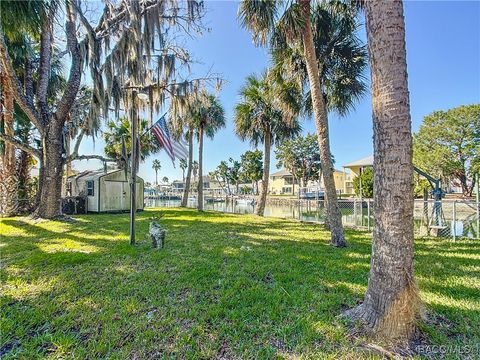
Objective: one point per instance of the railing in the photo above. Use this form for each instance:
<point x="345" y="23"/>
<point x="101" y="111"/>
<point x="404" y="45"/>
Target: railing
<point x="448" y="218"/>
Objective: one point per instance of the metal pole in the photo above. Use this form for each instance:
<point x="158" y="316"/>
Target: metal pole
<point x="478" y="205"/>
<point x="368" y="215"/>
<point x="133" y="168"/>
<point x="454" y="220"/>
<point x="354" y="211"/>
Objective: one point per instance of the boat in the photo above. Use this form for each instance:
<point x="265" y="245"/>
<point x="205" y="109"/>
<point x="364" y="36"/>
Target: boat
<point x="214" y="200"/>
<point x="245" y="202"/>
<point x="313" y="195"/>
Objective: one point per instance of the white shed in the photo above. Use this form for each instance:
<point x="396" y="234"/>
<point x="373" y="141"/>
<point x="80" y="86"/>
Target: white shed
<point x="105" y="191"/>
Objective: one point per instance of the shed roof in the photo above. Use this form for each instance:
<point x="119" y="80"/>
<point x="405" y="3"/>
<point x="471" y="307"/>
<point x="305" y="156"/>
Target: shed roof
<point x="366" y="161"/>
<point x="92" y="174"/>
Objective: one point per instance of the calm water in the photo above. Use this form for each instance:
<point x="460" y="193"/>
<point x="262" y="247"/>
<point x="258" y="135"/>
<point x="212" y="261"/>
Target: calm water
<point x="463" y="222"/>
<point x="305" y="213"/>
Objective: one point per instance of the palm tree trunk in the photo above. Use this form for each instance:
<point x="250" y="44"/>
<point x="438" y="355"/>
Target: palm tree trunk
<point x="200" y="170"/>
<point x="390" y="308"/>
<point x="186" y="190"/>
<point x="321" y="122"/>
<point x="24" y="161"/>
<point x="156" y="177"/>
<point x="8" y="171"/>
<point x="266" y="174"/>
<point x="293" y="185"/>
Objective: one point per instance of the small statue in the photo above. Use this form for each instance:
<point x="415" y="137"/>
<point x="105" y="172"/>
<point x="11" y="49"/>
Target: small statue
<point x="157" y="233"/>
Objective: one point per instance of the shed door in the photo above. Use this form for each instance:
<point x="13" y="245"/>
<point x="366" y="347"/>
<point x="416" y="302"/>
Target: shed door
<point x="115" y="196"/>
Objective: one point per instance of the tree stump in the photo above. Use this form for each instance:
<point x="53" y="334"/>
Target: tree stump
<point x="157" y="233"/>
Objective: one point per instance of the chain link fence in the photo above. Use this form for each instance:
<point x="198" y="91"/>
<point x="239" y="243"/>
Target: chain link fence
<point x="446" y="218"/>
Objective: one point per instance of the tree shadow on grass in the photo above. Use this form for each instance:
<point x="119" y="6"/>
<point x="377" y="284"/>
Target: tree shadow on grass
<point x="246" y="286"/>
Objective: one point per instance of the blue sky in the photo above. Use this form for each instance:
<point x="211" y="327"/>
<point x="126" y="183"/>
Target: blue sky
<point x="443" y="57"/>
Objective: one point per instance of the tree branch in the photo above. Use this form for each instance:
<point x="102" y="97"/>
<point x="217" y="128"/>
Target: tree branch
<point x="89" y="157"/>
<point x="22" y="101"/>
<point x="75" y="75"/>
<point x="18" y="144"/>
<point x="77" y="143"/>
<point x="46" y="38"/>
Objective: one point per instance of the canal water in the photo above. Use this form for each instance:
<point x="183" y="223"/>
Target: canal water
<point x="300" y="212"/>
<point x="459" y="218"/>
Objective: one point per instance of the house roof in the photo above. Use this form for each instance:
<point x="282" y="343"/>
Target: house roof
<point x="283" y="172"/>
<point x="367" y="161"/>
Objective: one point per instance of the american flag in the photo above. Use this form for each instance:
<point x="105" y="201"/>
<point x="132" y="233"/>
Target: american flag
<point x="174" y="149"/>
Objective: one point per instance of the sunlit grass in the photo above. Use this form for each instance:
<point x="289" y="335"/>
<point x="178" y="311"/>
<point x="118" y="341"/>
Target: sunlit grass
<point x="224" y="286"/>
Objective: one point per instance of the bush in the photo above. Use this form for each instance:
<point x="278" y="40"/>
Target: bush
<point x="367" y="183"/>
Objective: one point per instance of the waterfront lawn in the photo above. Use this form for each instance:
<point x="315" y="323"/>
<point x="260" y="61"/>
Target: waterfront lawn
<point x="225" y="286"/>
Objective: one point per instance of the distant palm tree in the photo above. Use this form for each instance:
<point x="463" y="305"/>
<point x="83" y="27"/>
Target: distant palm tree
<point x="181" y="118"/>
<point x="156" y="165"/>
<point x="165" y="180"/>
<point x="290" y="25"/>
<point x="209" y="117"/>
<point x="195" y="169"/>
<point x="267" y="113"/>
<point x="183" y="166"/>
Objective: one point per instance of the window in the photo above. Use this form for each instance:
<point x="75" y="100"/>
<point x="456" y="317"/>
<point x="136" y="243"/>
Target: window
<point x="90" y="188"/>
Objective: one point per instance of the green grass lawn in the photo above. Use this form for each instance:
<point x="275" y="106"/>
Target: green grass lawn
<point x="225" y="286"/>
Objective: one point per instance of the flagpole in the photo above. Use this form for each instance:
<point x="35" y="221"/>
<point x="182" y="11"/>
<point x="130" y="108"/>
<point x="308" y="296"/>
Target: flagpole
<point x="133" y="168"/>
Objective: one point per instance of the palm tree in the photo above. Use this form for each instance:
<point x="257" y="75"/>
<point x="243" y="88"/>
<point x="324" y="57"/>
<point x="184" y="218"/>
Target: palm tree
<point x="195" y="170"/>
<point x="156" y="166"/>
<point x="390" y="308"/>
<point x="165" y="180"/>
<point x="20" y="21"/>
<point x="181" y="119"/>
<point x="209" y="117"/>
<point x="183" y="166"/>
<point x="267" y="113"/>
<point x="291" y="25"/>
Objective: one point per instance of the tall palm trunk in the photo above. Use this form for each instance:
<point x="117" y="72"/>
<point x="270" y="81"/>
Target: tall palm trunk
<point x="266" y="174"/>
<point x="321" y="121"/>
<point x="200" y="169"/>
<point x="23" y="171"/>
<point x="391" y="303"/>
<point x="293" y="185"/>
<point x="8" y="171"/>
<point x="186" y="190"/>
<point x="156" y="177"/>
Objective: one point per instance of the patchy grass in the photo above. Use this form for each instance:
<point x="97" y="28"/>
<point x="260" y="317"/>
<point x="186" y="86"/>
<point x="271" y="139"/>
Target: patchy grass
<point x="226" y="286"/>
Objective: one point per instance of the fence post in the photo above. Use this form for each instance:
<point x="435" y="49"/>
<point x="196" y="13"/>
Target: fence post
<point x="354" y="211"/>
<point x="454" y="219"/>
<point x="368" y="215"/>
<point x="478" y="205"/>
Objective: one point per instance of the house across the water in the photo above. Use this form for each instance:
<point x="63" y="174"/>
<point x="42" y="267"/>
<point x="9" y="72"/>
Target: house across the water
<point x="283" y="183"/>
<point x="105" y="191"/>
